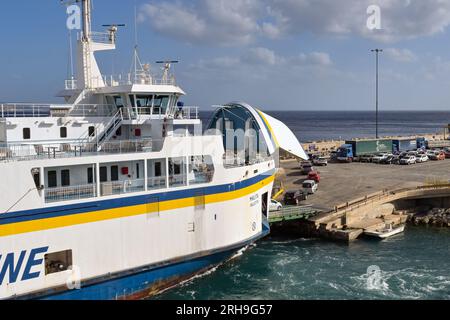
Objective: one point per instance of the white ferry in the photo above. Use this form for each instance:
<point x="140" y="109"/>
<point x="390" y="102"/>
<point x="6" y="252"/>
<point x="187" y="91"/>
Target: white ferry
<point x="115" y="195"/>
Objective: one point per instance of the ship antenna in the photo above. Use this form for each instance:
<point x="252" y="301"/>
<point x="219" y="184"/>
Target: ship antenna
<point x="136" y="53"/>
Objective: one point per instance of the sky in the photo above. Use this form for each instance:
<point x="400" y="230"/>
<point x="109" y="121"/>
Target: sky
<point x="274" y="54"/>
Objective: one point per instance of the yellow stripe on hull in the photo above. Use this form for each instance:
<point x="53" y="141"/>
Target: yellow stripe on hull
<point x="124" y="212"/>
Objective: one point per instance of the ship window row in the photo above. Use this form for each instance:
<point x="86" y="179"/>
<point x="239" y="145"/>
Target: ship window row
<point x="63" y="133"/>
<point x="80" y="182"/>
<point x="146" y="104"/>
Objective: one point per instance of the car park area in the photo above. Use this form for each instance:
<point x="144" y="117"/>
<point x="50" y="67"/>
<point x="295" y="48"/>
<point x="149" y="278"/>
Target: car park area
<point x="342" y="182"/>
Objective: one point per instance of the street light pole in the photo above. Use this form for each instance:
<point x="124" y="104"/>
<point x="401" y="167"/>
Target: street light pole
<point x="377" y="51"/>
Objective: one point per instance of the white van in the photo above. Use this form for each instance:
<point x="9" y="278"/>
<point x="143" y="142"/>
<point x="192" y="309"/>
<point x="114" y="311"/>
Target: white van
<point x="310" y="186"/>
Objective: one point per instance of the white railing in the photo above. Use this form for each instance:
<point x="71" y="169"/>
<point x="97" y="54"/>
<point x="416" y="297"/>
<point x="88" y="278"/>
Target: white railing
<point x="92" y="110"/>
<point x="190" y="112"/>
<point x="157" y="183"/>
<point x="71" y="84"/>
<point x="110" y="129"/>
<point x="178" y="180"/>
<point x="16" y="110"/>
<point x="236" y="161"/>
<point x="72" y="150"/>
<point x="103" y="37"/>
<point x="202" y="177"/>
<point x="100" y="37"/>
<point x="131" y="79"/>
<point x="70" y="193"/>
<point x="122" y="187"/>
<point x="28" y="110"/>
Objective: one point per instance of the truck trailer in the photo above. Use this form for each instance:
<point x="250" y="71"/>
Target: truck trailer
<point x="352" y="149"/>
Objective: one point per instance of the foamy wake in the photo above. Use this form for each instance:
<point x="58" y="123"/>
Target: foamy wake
<point x="404" y="284"/>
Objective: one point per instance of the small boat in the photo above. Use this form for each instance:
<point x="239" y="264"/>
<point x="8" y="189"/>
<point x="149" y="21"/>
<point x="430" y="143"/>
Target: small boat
<point x="387" y="232"/>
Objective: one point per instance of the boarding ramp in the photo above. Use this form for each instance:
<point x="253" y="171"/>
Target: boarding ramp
<point x="291" y="213"/>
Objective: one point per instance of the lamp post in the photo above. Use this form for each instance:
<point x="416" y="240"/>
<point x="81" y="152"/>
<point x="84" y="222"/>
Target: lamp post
<point x="377" y="52"/>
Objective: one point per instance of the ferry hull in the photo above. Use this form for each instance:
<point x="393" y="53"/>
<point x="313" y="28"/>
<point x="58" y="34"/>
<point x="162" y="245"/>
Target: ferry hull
<point x="123" y="254"/>
<point x="148" y="282"/>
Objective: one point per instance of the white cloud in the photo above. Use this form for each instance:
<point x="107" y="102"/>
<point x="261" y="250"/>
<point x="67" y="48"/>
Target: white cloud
<point x="237" y="22"/>
<point x="219" y="22"/>
<point x="266" y="58"/>
<point x="400" y="55"/>
<point x="260" y="56"/>
<point x="314" y="58"/>
<point x="399" y="19"/>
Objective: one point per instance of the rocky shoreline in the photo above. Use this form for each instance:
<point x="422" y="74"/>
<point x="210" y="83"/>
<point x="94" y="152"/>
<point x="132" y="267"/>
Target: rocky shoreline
<point x="436" y="217"/>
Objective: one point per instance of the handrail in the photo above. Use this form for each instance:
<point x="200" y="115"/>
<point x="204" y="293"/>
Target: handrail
<point x="72" y="150"/>
<point x="109" y="128"/>
<point x="86" y="137"/>
<point x="131" y="79"/>
<point x="24" y="110"/>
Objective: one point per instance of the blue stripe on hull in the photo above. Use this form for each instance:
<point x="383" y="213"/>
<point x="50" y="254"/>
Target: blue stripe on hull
<point x="66" y="210"/>
<point x="147" y="283"/>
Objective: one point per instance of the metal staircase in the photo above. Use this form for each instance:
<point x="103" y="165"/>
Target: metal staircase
<point x="110" y="129"/>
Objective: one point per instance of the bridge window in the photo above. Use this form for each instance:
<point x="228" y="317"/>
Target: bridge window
<point x="58" y="262"/>
<point x="26" y="133"/>
<point x="144" y="104"/>
<point x="118" y="101"/>
<point x="63" y="132"/>
<point x="161" y="104"/>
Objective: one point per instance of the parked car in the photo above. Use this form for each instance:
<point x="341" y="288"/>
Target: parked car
<point x="313" y="175"/>
<point x="403" y="155"/>
<point x="307" y="168"/>
<point x="396" y="159"/>
<point x="380" y="157"/>
<point x="436" y="155"/>
<point x="432" y="155"/>
<point x="295" y="197"/>
<point x="333" y="155"/>
<point x="275" y="206"/>
<point x="447" y="153"/>
<point x="440" y="155"/>
<point x="366" y="158"/>
<point x="310" y="186"/>
<point x="391" y="159"/>
<point x="320" y="161"/>
<point x="421" y="158"/>
<point x="408" y="160"/>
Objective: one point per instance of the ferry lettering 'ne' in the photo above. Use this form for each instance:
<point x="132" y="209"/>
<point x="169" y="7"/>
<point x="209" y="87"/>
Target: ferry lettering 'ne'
<point x="12" y="267"/>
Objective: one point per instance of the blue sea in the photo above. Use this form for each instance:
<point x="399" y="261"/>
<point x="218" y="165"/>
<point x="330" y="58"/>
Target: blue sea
<point x="414" y="265"/>
<point x="316" y="126"/>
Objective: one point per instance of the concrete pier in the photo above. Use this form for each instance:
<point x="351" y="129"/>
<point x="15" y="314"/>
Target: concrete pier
<point x="356" y="197"/>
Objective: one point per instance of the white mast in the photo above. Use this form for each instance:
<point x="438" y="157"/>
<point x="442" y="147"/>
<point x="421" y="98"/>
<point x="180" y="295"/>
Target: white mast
<point x="86" y="9"/>
<point x="85" y="43"/>
<point x="88" y="72"/>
